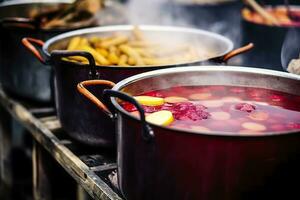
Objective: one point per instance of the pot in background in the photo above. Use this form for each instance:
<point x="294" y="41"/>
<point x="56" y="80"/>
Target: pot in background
<point x="220" y="16"/>
<point x="21" y="75"/>
<point x="156" y="162"/>
<point x="268" y="41"/>
<point x="78" y="116"/>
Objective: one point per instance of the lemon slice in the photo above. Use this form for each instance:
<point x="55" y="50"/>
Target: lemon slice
<point x="150" y="101"/>
<point x="162" y="118"/>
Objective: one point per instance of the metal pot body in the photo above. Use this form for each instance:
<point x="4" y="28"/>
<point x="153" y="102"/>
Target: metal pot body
<point x="190" y="165"/>
<point x="80" y="118"/>
<point x="20" y="74"/>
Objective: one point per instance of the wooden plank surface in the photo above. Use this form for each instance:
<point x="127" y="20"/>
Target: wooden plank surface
<point x="84" y="175"/>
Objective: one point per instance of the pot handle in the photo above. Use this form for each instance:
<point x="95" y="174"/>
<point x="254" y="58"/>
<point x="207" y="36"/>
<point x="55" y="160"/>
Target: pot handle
<point x="57" y="55"/>
<point x="81" y="87"/>
<point x="237" y="51"/>
<point x="19" y="22"/>
<point x="147" y="132"/>
<point x="28" y="43"/>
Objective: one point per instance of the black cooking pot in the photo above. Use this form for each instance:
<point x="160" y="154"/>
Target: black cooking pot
<point x="20" y="74"/>
<point x="157" y="162"/>
<point x="78" y="117"/>
<point x="268" y="41"/>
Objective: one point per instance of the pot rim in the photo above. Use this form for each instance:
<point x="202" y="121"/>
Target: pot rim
<point x="31" y="3"/>
<point x="104" y="29"/>
<point x="25" y="2"/>
<point x="122" y="84"/>
<point x="208" y="4"/>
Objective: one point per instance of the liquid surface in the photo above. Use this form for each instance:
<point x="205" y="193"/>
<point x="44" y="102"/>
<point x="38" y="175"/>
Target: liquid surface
<point x="226" y="109"/>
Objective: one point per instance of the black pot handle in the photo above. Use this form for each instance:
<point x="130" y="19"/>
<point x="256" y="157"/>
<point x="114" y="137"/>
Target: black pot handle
<point x="57" y="55"/>
<point x="147" y="132"/>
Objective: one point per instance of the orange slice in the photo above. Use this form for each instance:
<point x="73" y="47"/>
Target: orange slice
<point x="231" y="99"/>
<point x="200" y="128"/>
<point x="253" y="126"/>
<point x="150" y="101"/>
<point x="200" y="96"/>
<point x="161" y="118"/>
<point x="174" y="99"/>
<point x="212" y="103"/>
<point x="259" y="116"/>
<point x="220" y="115"/>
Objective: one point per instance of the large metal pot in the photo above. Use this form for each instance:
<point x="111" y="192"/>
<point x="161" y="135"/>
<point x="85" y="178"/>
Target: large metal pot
<point x="77" y="116"/>
<point x="20" y="74"/>
<point x="156" y="162"/>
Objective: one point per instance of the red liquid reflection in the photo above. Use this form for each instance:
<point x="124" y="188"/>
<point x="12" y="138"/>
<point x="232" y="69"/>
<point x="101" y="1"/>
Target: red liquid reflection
<point x="231" y="109"/>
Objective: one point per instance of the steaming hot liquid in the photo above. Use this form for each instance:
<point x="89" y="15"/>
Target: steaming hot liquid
<point x="231" y="109"/>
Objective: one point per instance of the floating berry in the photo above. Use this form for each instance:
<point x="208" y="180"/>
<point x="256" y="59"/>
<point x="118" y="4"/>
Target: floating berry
<point x="246" y="107"/>
<point x="190" y="111"/>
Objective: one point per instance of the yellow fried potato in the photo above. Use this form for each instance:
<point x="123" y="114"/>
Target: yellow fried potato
<point x="150" y="101"/>
<point x="112" y="49"/>
<point x="79" y="58"/>
<point x="123" y="60"/>
<point x="98" y="57"/>
<point x="115" y="41"/>
<point x="143" y="44"/>
<point x="113" y="58"/>
<point x="74" y="43"/>
<point x="143" y="52"/>
<point x="161" y="118"/>
<point x="83" y="42"/>
<point x="94" y="40"/>
<point x="102" y="51"/>
<point x="132" y="53"/>
<point x="131" y="61"/>
<point x="138" y="34"/>
<point x="138" y="49"/>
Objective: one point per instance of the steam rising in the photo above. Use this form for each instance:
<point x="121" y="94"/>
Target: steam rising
<point x="176" y="13"/>
<point x="158" y="12"/>
<point x="291" y="48"/>
<point x="218" y="18"/>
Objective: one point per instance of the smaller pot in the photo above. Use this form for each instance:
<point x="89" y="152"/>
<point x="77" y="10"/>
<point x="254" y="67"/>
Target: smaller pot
<point x="268" y="41"/>
<point x="20" y="74"/>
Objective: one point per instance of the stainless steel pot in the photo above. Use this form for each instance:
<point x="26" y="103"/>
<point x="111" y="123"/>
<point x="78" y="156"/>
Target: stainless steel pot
<point x="78" y="117"/>
<point x="20" y="74"/>
<point x="156" y="162"/>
